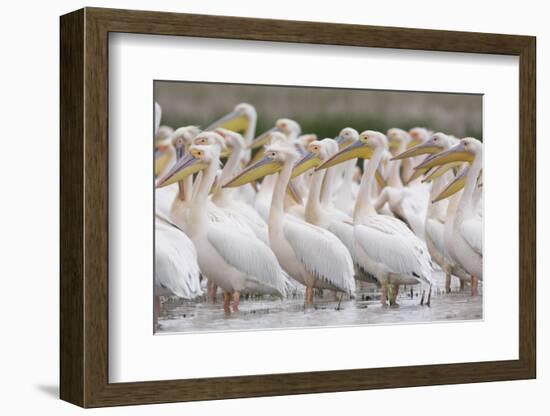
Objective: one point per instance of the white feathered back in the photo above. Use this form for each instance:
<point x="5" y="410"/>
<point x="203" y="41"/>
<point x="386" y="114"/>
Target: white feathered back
<point x="322" y="254"/>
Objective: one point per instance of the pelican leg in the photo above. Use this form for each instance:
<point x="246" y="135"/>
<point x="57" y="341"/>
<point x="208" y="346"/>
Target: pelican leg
<point x="226" y="300"/>
<point x="384" y="296"/>
<point x="212" y="289"/>
<point x="429" y="301"/>
<point x="236" y="300"/>
<point x="309" y="297"/>
<point x="394" y="290"/>
<point x="474" y="285"/>
<point x="339" y="300"/>
<point x="448" y="282"/>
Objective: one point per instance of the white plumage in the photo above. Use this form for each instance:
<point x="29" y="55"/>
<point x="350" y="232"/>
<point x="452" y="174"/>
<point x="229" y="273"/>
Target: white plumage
<point x="176" y="269"/>
<point x="222" y="248"/>
<point x="471" y="230"/>
<point x="389" y="241"/>
<point x="249" y="257"/>
<point x="322" y="254"/>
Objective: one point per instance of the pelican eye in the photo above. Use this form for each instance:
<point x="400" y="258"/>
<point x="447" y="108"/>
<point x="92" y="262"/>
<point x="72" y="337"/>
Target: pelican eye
<point x="197" y="153"/>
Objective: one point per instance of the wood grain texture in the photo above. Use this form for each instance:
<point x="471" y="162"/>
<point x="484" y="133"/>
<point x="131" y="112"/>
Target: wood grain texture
<point x="84" y="207"/>
<point x="71" y="208"/>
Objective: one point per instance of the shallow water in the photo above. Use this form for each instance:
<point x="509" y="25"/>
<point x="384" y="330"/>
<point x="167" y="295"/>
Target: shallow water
<point x="270" y="313"/>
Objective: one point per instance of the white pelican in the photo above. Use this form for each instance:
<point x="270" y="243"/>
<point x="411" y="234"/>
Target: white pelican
<point x="467" y="226"/>
<point x="346" y="189"/>
<point x="324" y="215"/>
<point x="309" y="254"/>
<point x="418" y="135"/>
<point x="242" y="119"/>
<point x="439" y="218"/>
<point x="392" y="252"/>
<point x="408" y="203"/>
<point x="290" y="130"/>
<point x="232" y="258"/>
<point x="176" y="269"/>
<point x="224" y="198"/>
<point x="454" y="192"/>
<point x="181" y="139"/>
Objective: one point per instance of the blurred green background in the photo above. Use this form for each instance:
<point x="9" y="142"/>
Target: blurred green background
<point x="324" y="111"/>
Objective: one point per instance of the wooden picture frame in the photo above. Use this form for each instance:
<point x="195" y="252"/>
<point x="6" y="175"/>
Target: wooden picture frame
<point x="84" y="207"/>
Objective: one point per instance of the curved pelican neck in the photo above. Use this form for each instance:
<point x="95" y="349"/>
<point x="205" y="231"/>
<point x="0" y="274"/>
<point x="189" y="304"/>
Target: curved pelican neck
<point x="394" y="178"/>
<point x="268" y="183"/>
<point x="222" y="194"/>
<point x="276" y="212"/>
<point x="250" y="131"/>
<point x="197" y="211"/>
<point x="327" y="189"/>
<point x="313" y="204"/>
<point x="466" y="205"/>
<point x="435" y="209"/>
<point x="363" y="205"/>
<point x="185" y="189"/>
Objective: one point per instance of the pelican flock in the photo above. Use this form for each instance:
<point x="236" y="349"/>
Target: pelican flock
<point x="284" y="213"/>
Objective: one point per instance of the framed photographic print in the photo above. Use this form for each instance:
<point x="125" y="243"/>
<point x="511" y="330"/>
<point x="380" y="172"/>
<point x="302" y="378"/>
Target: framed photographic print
<point x="255" y="207"/>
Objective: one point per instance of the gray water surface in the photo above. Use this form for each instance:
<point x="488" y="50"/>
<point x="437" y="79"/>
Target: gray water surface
<point x="180" y="316"/>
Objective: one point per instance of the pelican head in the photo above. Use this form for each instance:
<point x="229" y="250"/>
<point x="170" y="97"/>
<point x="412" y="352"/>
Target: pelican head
<point x="419" y="135"/>
<point x="239" y="119"/>
<point x="182" y="138"/>
<point x="346" y="137"/>
<point x="163" y="133"/>
<point x="212" y="138"/>
<point x="364" y="148"/>
<point x="397" y="138"/>
<point x="437" y="143"/>
<point x="318" y="151"/>
<point x="289" y="128"/>
<point x="275" y="157"/>
<point x="198" y="158"/>
<point x="465" y="150"/>
<point x="305" y="139"/>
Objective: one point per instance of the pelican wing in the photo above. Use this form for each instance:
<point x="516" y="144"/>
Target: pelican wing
<point x="249" y="255"/>
<point x="472" y="231"/>
<point x="321" y="253"/>
<point x="164" y="197"/>
<point x="176" y="267"/>
<point x="228" y="217"/>
<point x="435" y="230"/>
<point x="344" y="232"/>
<point x="415" y="207"/>
<point x="252" y="219"/>
<point x="389" y="241"/>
